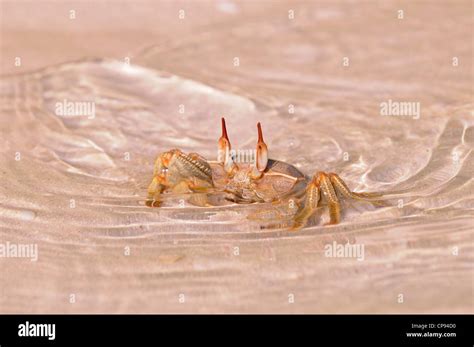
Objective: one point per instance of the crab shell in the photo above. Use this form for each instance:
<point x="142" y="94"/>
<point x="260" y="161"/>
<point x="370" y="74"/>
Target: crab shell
<point x="279" y="180"/>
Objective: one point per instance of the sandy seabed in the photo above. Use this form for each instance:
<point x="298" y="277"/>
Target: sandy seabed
<point x="159" y="75"/>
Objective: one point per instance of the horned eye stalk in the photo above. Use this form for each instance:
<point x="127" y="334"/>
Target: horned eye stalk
<point x="261" y="159"/>
<point x="224" y="155"/>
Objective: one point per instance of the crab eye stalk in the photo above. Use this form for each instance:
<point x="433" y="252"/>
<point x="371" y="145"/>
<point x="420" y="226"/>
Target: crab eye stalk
<point x="224" y="155"/>
<point x="224" y="143"/>
<point x="261" y="159"/>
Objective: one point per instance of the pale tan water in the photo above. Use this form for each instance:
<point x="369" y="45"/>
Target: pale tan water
<point x="75" y="186"/>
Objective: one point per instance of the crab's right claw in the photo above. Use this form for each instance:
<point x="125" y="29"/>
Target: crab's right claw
<point x="224" y="155"/>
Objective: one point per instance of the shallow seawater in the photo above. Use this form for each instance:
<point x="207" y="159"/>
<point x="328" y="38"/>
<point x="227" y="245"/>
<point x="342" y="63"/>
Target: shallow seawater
<point x="76" y="185"/>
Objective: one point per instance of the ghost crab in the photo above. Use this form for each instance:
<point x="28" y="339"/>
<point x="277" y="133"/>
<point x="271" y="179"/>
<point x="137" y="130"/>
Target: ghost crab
<point x="263" y="180"/>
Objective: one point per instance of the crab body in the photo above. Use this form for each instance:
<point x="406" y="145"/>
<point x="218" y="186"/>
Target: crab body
<point x="257" y="181"/>
<point x="278" y="181"/>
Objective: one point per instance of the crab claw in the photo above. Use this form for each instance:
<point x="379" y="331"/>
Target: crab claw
<point x="261" y="159"/>
<point x="224" y="148"/>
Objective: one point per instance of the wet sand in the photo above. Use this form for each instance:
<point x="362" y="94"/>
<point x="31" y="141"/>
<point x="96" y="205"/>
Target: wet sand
<point x="74" y="186"/>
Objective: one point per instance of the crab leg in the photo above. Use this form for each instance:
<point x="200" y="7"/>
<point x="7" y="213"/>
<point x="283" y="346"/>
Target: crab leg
<point x="154" y="190"/>
<point x="309" y="205"/>
<point x="341" y="187"/>
<point x="198" y="196"/>
<point x="333" y="201"/>
<point x="199" y="188"/>
<point x="320" y="183"/>
<point x="330" y="185"/>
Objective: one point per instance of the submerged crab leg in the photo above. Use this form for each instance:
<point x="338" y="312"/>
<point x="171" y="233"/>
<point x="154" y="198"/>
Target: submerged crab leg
<point x="320" y="183"/>
<point x="333" y="201"/>
<point x="154" y="190"/>
<point x="197" y="187"/>
<point x="330" y="185"/>
<point x="342" y="188"/>
<point x="309" y="205"/>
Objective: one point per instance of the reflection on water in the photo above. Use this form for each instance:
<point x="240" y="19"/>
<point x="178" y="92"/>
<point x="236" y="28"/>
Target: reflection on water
<point x="75" y="184"/>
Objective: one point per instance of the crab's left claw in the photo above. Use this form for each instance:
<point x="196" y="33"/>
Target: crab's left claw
<point x="261" y="159"/>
